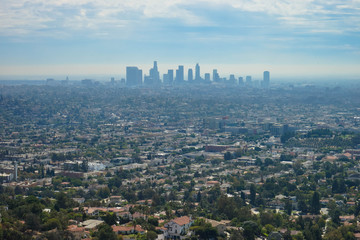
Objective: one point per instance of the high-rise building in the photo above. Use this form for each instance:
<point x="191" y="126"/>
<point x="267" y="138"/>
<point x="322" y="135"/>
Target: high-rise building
<point x="232" y="79"/>
<point x="248" y="80"/>
<point x="207" y="77"/>
<point x="165" y="78"/>
<point x="241" y="81"/>
<point x="133" y="76"/>
<point x="154" y="73"/>
<point x="197" y="73"/>
<point x="266" y="79"/>
<point x="216" y="77"/>
<point x="179" y="79"/>
<point x="171" y="76"/>
<point x="190" y="75"/>
<point x="154" y="76"/>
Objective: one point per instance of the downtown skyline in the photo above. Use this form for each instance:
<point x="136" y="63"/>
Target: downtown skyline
<point x="137" y="77"/>
<point x="290" y="39"/>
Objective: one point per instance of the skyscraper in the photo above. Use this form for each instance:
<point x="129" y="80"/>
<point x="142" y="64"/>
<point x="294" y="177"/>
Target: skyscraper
<point x="197" y="73"/>
<point x="171" y="76"/>
<point x="232" y="79"/>
<point x="266" y="79"/>
<point x="165" y="78"/>
<point x="207" y="78"/>
<point x="216" y="77"/>
<point x="248" y="81"/>
<point x="179" y="79"/>
<point x="190" y="75"/>
<point x="133" y="76"/>
<point x="154" y="74"/>
<point x="168" y="78"/>
<point x="241" y="81"/>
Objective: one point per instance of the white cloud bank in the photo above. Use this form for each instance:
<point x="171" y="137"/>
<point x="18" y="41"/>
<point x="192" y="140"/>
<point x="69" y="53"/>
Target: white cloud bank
<point x="24" y="17"/>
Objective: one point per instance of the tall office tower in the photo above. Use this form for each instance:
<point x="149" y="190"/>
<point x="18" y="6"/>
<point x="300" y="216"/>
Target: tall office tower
<point x="133" y="76"/>
<point x="148" y="80"/>
<point x="241" y="81"/>
<point x="248" y="80"/>
<point x="166" y="78"/>
<point x="232" y="79"/>
<point x="179" y="79"/>
<point x="197" y="73"/>
<point x="171" y="76"/>
<point x="216" y="77"/>
<point x="190" y="75"/>
<point x="266" y="79"/>
<point x="207" y="77"/>
<point x="154" y="74"/>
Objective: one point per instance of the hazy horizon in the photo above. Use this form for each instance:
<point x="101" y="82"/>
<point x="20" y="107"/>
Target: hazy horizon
<point x="78" y="72"/>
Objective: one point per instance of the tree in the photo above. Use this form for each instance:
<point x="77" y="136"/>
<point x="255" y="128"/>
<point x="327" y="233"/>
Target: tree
<point x="32" y="222"/>
<point x="315" y="203"/>
<point x="84" y="166"/>
<point x="338" y="186"/>
<point x="62" y="201"/>
<point x="286" y="136"/>
<point x="258" y="162"/>
<point x="357" y="209"/>
<point x="198" y="197"/>
<point x="316" y="232"/>
<point x="204" y="230"/>
<point x="110" y="219"/>
<point x="18" y="190"/>
<point x="298" y="168"/>
<point x="252" y="194"/>
<point x="251" y="229"/>
<point x="52" y="223"/>
<point x="115" y="182"/>
<point x="266" y="218"/>
<point x="268" y="162"/>
<point x="335" y="216"/>
<point x="287" y="235"/>
<point x="226" y="206"/>
<point x="104" y="192"/>
<point x="151" y="235"/>
<point x="288" y="206"/>
<point x="105" y="232"/>
<point x="343" y="232"/>
<point x="300" y="222"/>
<point x="228" y="156"/>
<point x="236" y="235"/>
<point x="303" y="206"/>
<point x="356" y="140"/>
<point x="12" y="234"/>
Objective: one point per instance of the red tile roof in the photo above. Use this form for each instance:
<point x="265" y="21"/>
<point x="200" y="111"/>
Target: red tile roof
<point x="182" y="220"/>
<point x="138" y="228"/>
<point x="75" y="228"/>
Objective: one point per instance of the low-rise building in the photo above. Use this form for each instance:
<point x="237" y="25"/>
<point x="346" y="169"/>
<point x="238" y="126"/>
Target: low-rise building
<point x="178" y="228"/>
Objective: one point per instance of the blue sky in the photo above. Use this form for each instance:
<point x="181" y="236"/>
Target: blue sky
<point x="288" y="37"/>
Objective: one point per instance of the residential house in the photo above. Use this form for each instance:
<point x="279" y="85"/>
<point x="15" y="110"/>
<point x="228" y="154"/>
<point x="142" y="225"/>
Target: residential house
<point x="178" y="228"/>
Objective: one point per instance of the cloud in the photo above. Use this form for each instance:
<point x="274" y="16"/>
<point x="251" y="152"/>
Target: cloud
<point x="24" y="17"/>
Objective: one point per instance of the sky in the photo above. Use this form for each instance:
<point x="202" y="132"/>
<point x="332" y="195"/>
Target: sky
<point x="290" y="38"/>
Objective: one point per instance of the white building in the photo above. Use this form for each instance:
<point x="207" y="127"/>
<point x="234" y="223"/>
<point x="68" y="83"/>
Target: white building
<point x="178" y="228"/>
